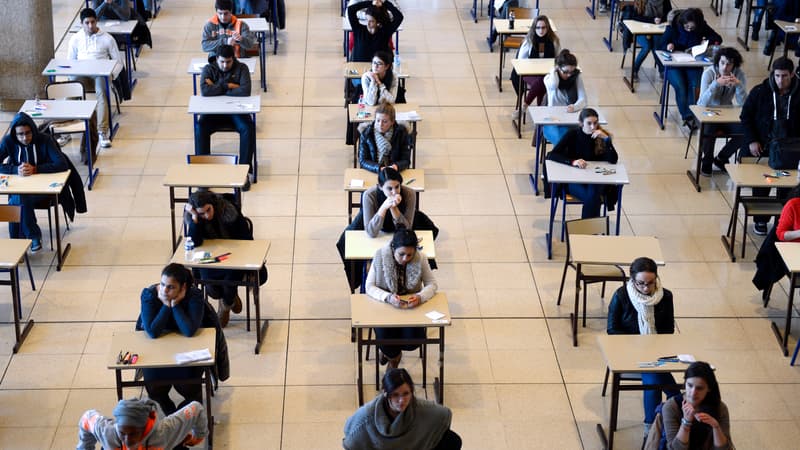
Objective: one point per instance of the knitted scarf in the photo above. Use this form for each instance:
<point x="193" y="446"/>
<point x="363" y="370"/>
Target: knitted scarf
<point x="645" y="306"/>
<point x="384" y="143"/>
<point x="385" y="268"/>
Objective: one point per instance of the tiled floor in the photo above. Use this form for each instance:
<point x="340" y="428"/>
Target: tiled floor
<point x="514" y="381"/>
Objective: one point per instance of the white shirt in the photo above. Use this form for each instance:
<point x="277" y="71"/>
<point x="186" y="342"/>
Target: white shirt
<point x="97" y="46"/>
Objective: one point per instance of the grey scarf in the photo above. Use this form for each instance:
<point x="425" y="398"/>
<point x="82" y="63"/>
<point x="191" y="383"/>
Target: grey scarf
<point x="413" y="271"/>
<point x="384" y="143"/>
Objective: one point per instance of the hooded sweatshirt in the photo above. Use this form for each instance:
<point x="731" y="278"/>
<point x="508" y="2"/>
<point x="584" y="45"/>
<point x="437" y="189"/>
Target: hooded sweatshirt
<point x="42" y="152"/>
<point x="765" y="115"/>
<point x="239" y="74"/>
<point x="216" y="33"/>
<point x="161" y="433"/>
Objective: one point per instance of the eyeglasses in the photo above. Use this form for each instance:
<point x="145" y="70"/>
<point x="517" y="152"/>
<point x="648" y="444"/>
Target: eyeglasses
<point x="568" y="73"/>
<point x="645" y="284"/>
<point x="540" y="27"/>
<point x="378" y="63"/>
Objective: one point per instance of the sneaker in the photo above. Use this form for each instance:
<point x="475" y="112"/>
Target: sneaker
<point x="237" y="305"/>
<point x="760" y="228"/>
<point x="63" y="139"/>
<point x="36" y="245"/>
<point x="705" y="169"/>
<point x="720" y="164"/>
<point x="224" y="313"/>
<point x="105" y="142"/>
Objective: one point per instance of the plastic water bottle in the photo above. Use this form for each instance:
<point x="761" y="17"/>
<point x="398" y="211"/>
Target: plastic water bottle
<point x="397" y="64"/>
<point x="511" y="18"/>
<point x="188" y="247"/>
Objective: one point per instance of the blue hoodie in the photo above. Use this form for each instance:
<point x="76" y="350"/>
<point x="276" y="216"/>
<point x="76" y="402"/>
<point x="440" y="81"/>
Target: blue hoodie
<point x="42" y="152"/>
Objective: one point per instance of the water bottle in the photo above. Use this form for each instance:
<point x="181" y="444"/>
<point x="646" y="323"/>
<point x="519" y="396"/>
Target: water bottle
<point x="511" y="20"/>
<point x="397" y="64"/>
<point x="188" y="247"/>
<point x="362" y="107"/>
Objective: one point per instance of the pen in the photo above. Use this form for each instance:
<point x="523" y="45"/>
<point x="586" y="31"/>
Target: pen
<point x="410" y="181"/>
<point x="669" y="357"/>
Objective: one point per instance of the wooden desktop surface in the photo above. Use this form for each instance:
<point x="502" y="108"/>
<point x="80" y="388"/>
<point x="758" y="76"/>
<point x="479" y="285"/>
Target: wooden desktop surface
<point x="365" y="312"/>
<point x="160" y="352"/>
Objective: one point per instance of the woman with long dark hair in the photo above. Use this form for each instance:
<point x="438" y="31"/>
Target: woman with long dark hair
<point x="380" y="84"/>
<point x="540" y="42"/>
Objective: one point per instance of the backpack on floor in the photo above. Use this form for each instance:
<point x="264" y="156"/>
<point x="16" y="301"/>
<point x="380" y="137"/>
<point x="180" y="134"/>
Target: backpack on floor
<point x="657" y="437"/>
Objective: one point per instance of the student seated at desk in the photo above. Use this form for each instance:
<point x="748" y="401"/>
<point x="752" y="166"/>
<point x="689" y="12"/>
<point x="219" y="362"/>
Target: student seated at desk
<point x="383" y="19"/>
<point x="648" y="11"/>
<point x="400" y="269"/>
<point x="226" y="75"/>
<point x="384" y="143"/>
<point x="226" y="29"/>
<point x="540" y="42"/>
<point x="139" y="424"/>
<point x="385" y="207"/>
<point x="24" y="151"/>
<point x="564" y="88"/>
<point x="719" y="85"/>
<point x="643" y="306"/>
<point x="211" y="216"/>
<point x="789" y="223"/>
<point x="699" y="419"/>
<point x="787" y="10"/>
<point x="90" y="42"/>
<point x="397" y="419"/>
<point x="112" y="9"/>
<point x="380" y="84"/>
<point x="175" y="304"/>
<point x="688" y="29"/>
<point x="771" y="111"/>
<point x="580" y="146"/>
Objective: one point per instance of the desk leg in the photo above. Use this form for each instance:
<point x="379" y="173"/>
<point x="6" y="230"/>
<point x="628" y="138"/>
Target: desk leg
<point x="260" y="333"/>
<point x="625" y="80"/>
<point x="784" y="340"/>
<point x="172" y="217"/>
<point x="129" y="60"/>
<point x="607" y="41"/>
<point x="262" y="37"/>
<point x="490" y="38"/>
<point x="608" y="440"/>
<point x="732" y="226"/>
<point x="209" y="415"/>
<point x="87" y="139"/>
<point x="274" y="27"/>
<point x="695" y="178"/>
<point x="619" y="207"/>
<point x="573" y="317"/>
<point x="553" y="205"/>
<point x="112" y="127"/>
<point x="16" y="301"/>
<point x="744" y="42"/>
<point x="474" y="11"/>
<point x="118" y="377"/>
<point x="590" y="11"/>
<point x="518" y="122"/>
<point x="360" y="379"/>
<point x="61" y="256"/>
<point x="537" y="142"/>
<point x="664" y="98"/>
<point x="499" y="77"/>
<point x="356" y="139"/>
<point x="438" y="384"/>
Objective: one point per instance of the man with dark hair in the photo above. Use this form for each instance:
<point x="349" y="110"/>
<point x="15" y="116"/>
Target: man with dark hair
<point x="771" y="111"/>
<point x="141" y="424"/>
<point x="24" y="152"/>
<point x="93" y="43"/>
<point x="225" y="29"/>
<point x="225" y="75"/>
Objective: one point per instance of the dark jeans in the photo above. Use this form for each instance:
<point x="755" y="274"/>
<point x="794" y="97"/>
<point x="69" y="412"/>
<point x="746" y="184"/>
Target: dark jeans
<point x="208" y="124"/>
<point x="392" y="351"/>
<point x="647" y="44"/>
<point x="450" y="441"/>
<point x="27" y="228"/>
<point x="781" y="193"/>
<point x="733" y="144"/>
<point x="591" y="195"/>
<point x="652" y="397"/>
<point x="685" y="82"/>
<point x="160" y="393"/>
<point x="226" y="292"/>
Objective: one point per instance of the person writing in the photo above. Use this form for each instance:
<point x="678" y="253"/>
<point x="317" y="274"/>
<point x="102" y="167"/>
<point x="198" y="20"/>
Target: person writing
<point x="540" y="42"/>
<point x="397" y="419"/>
<point x="700" y="420"/>
<point x="643" y="306"/>
<point x="384" y="143"/>
<point x="400" y="275"/>
<point x="580" y="146"/>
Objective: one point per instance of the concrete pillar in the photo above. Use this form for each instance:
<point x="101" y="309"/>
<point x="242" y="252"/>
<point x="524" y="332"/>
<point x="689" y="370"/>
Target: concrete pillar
<point x="26" y="48"/>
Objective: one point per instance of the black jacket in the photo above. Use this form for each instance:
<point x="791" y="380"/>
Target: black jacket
<point x="239" y="74"/>
<point x="43" y="151"/>
<point x="368" y="149"/>
<point x="623" y="318"/>
<point x="365" y="44"/>
<point x="770" y="267"/>
<point x="227" y="223"/>
<point x="683" y="40"/>
<point x="759" y="112"/>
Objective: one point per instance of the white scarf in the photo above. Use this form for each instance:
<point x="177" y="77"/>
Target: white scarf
<point x="645" y="306"/>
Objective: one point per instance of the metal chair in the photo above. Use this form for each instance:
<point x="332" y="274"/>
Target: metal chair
<point x="13" y="214"/>
<point x="515" y="42"/>
<point x="66" y="90"/>
<point x="589" y="273"/>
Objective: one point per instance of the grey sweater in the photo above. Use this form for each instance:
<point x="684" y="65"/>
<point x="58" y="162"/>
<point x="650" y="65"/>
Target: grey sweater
<point x="713" y="94"/>
<point x="370" y="203"/>
<point x="672" y="413"/>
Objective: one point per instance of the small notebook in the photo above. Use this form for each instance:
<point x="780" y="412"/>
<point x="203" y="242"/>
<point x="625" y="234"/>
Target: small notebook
<point x="193" y="356"/>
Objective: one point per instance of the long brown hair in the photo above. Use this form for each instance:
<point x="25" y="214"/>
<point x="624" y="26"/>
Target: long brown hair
<point x="551" y="35"/>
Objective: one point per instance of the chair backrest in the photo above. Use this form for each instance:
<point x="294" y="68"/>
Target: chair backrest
<point x="10" y="213"/>
<point x="64" y="90"/>
<point x="213" y="159"/>
<point x="594" y="225"/>
<point x="524" y="13"/>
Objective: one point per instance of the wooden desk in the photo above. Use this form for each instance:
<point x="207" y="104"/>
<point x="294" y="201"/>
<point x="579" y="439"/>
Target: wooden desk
<point x="366" y="312"/>
<point x="788" y="28"/>
<point x="607" y="251"/>
<point x="260" y="27"/>
<point x="123" y="28"/>
<point x="42" y="184"/>
<point x="354" y="70"/>
<point x="67" y="110"/>
<point x="790" y="253"/>
<point x="160" y="354"/>
<point x="196" y="66"/>
<point x="358" y="246"/>
<point x="750" y="176"/>
<point x="550" y="115"/>
<point x="404" y="112"/>
<point x="623" y="353"/>
<point x="245" y="256"/>
<point x="749" y="7"/>
<point x="202" y="176"/>
<point x="661" y="115"/>
<point x="11" y="253"/>
<point x="521" y="27"/>
<point x="527" y="68"/>
<point x="558" y="173"/>
<point x="712" y="115"/>
<point x="105" y="68"/>
<point x="413" y="178"/>
<point x="637" y="28"/>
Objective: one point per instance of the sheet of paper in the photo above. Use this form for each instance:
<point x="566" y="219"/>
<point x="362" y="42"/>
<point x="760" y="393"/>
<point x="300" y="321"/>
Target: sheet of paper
<point x="682" y="57"/>
<point x="355" y="182"/>
<point x="700" y="49"/>
<point x="199" y="66"/>
<point x="434" y="315"/>
<point x="193" y="356"/>
<point x="686" y="358"/>
<point x="407" y="116"/>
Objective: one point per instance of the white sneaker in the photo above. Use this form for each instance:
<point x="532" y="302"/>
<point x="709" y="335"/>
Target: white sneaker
<point x="64" y="139"/>
<point x="105" y="142"/>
